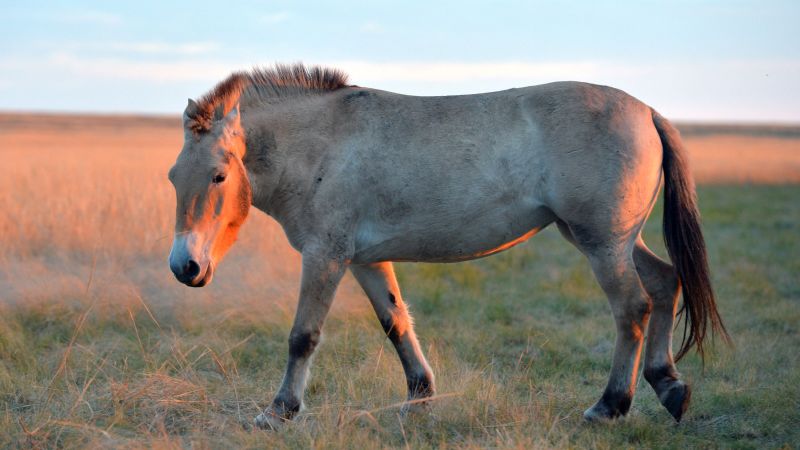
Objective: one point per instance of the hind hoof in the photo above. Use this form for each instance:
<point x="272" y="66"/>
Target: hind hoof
<point x="676" y="399"/>
<point x="611" y="406"/>
<point x="600" y="413"/>
<point x="596" y="414"/>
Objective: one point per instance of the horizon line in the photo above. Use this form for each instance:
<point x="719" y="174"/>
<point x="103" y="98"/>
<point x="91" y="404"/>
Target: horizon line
<point x="177" y="115"/>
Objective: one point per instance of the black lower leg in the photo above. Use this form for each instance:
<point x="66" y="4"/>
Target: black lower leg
<point x="286" y="406"/>
<point x="419" y="385"/>
<point x="616" y="403"/>
<point x="673" y="393"/>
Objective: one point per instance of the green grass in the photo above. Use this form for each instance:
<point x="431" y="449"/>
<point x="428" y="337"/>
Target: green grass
<point x="520" y="342"/>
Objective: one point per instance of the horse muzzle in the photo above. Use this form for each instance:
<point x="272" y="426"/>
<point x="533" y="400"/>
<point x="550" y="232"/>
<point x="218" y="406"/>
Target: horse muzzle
<point x="188" y="269"/>
<point x="193" y="275"/>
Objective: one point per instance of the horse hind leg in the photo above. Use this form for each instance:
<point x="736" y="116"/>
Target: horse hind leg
<point x="379" y="283"/>
<point x="612" y="263"/>
<point x="658" y="278"/>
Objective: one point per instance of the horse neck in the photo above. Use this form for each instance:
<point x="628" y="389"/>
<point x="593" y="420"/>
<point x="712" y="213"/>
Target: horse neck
<point x="273" y="160"/>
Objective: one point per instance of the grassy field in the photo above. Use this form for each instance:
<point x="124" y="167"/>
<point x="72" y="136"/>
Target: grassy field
<point x="101" y="347"/>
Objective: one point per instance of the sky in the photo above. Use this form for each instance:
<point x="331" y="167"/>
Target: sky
<point x="715" y="60"/>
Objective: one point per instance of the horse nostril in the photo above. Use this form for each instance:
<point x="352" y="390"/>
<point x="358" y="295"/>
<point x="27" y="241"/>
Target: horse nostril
<point x="191" y="269"/>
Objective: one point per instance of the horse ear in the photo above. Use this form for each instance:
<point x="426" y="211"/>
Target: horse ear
<point x="232" y="122"/>
<point x="232" y="118"/>
<point x="190" y="113"/>
<point x="219" y="112"/>
<point x="232" y="128"/>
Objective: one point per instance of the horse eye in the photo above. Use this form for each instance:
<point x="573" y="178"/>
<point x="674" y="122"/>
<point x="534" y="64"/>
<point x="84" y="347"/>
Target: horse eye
<point x="218" y="178"/>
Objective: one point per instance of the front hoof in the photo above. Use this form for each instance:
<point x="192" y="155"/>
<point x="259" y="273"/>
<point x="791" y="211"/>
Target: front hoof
<point x="275" y="417"/>
<point x="414" y="407"/>
<point x="420" y="390"/>
<point x="269" y="421"/>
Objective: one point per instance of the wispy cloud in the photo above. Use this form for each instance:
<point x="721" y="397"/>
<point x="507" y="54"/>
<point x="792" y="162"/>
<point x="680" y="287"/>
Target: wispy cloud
<point x="714" y="90"/>
<point x="415" y="72"/>
<point x="360" y="71"/>
<point x="275" y="18"/>
<point x="189" y="48"/>
<point x="139" y="47"/>
<point x="465" y="71"/>
<point x="90" y="17"/>
<point x="154" y="71"/>
<point x="371" y="27"/>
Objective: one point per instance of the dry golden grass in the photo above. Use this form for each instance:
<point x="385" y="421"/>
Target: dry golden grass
<point x="86" y="222"/>
<point x="90" y="194"/>
<point x="735" y="159"/>
<point x="100" y="346"/>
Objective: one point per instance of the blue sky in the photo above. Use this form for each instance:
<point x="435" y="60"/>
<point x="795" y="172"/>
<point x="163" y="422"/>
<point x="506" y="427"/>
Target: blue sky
<point x="731" y="60"/>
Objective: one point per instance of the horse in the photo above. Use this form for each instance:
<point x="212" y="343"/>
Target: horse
<point x="360" y="178"/>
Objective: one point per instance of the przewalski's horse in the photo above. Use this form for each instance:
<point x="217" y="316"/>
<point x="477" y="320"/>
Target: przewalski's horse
<point x="360" y="177"/>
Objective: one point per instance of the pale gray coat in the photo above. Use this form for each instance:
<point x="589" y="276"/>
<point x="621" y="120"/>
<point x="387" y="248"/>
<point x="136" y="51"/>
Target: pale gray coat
<point x="359" y="178"/>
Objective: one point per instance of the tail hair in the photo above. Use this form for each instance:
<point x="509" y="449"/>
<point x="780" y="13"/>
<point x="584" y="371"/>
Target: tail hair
<point x="686" y="245"/>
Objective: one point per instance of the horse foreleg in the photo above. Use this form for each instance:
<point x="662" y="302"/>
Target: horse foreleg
<point x="380" y="285"/>
<point x="321" y="276"/>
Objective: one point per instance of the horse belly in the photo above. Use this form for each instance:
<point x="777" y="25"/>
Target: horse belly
<point x="450" y="239"/>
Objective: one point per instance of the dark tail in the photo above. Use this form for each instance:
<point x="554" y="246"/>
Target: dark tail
<point x="685" y="243"/>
